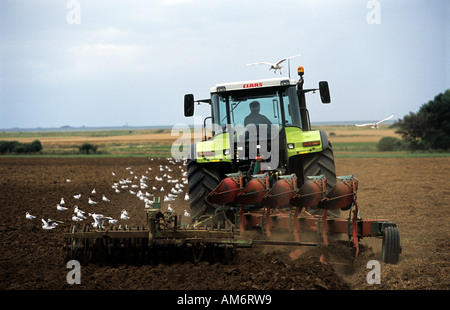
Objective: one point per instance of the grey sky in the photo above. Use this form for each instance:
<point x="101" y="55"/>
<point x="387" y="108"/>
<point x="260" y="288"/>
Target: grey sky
<point x="133" y="61"/>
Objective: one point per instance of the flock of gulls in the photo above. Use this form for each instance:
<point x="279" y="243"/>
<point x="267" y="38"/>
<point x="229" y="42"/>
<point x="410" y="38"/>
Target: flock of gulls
<point x="169" y="187"/>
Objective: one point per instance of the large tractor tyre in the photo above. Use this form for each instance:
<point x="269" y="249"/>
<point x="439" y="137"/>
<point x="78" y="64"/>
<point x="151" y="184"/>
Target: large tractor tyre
<point x="202" y="180"/>
<point x="317" y="164"/>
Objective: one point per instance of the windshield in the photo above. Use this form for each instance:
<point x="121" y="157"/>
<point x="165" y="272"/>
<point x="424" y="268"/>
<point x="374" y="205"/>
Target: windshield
<point x="277" y="106"/>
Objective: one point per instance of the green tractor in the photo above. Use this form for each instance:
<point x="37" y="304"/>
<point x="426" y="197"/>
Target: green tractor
<point x="259" y="126"/>
<point x="263" y="169"/>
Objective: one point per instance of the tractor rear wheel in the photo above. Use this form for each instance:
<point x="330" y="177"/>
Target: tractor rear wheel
<point x="315" y="164"/>
<point x="202" y="180"/>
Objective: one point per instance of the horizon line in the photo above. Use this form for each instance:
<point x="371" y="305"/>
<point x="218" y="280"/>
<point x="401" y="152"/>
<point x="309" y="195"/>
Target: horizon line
<point x="115" y="127"/>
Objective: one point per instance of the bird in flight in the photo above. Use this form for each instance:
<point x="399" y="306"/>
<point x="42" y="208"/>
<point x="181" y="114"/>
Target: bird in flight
<point x="375" y="125"/>
<point x="275" y="66"/>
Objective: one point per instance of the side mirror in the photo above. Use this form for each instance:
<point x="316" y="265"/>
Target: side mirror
<point x="188" y="105"/>
<point x="324" y="92"/>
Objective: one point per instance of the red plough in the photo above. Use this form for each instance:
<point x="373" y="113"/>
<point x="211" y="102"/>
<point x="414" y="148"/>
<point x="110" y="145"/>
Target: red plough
<point x="284" y="207"/>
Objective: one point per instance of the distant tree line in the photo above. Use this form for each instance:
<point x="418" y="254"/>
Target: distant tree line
<point x="87" y="148"/>
<point x="16" y="147"/>
<point x="428" y="129"/>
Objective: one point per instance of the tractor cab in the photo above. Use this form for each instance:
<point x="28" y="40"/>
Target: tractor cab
<point x="266" y="104"/>
<point x="277" y="101"/>
<point x="263" y="115"/>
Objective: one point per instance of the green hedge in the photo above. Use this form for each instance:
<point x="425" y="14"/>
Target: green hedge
<point x="8" y="147"/>
<point x="389" y="144"/>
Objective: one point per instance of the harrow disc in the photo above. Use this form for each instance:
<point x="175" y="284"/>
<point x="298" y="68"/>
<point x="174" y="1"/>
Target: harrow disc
<point x="78" y="247"/>
<point x="133" y="246"/>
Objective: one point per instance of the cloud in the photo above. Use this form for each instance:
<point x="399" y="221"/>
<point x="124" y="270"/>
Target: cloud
<point x="175" y="2"/>
<point x="103" y="50"/>
<point x="93" y="60"/>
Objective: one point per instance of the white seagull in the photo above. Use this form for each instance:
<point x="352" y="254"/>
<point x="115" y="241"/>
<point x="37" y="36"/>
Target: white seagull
<point x="99" y="219"/>
<point x="91" y="202"/>
<point x="77" y="196"/>
<point x="60" y="208"/>
<point x="375" y="125"/>
<point x="186" y="213"/>
<point x="54" y="222"/>
<point x="275" y="66"/>
<point x="124" y="215"/>
<point x="47" y="226"/>
<point x="104" y="198"/>
<point x="80" y="215"/>
<point x="76" y="218"/>
<point x="78" y="210"/>
<point x="166" y="198"/>
<point x="29" y="216"/>
<point x="62" y="202"/>
<point x="170" y="209"/>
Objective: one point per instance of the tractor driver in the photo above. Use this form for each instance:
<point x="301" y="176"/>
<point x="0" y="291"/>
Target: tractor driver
<point x="254" y="117"/>
<point x="258" y="119"/>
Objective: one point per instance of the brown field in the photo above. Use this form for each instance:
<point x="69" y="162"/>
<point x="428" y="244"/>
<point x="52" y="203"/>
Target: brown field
<point x="411" y="192"/>
<point x="130" y="138"/>
<point x="361" y="135"/>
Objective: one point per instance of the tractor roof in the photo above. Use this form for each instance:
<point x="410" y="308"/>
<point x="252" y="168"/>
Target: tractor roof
<point x="281" y="81"/>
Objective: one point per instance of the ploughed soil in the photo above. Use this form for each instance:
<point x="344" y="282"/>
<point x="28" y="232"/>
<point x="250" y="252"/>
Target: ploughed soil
<point x="411" y="192"/>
